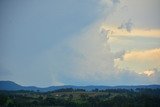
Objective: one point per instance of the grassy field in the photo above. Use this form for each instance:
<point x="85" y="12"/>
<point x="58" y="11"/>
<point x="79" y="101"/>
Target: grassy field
<point x="72" y="98"/>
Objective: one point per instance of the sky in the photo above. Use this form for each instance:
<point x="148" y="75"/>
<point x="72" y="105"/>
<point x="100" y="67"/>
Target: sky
<point x="80" y="42"/>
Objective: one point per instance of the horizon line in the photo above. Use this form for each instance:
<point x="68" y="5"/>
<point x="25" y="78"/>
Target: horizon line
<point x="79" y="85"/>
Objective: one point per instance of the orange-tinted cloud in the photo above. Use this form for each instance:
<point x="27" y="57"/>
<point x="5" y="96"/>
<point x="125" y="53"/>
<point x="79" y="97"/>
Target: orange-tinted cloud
<point x="140" y="60"/>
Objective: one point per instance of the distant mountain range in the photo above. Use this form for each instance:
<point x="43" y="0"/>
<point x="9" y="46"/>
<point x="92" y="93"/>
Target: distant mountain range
<point x="9" y="85"/>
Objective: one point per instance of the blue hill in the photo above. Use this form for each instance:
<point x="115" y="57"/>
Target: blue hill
<point x="9" y="85"/>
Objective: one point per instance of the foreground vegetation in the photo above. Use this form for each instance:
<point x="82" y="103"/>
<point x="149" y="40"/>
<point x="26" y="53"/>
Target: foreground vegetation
<point x="81" y="98"/>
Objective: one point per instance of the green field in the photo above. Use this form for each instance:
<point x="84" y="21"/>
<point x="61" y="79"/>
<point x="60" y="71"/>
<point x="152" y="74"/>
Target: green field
<point x="74" y="98"/>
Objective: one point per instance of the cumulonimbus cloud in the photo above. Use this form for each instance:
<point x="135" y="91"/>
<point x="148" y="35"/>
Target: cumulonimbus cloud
<point x="94" y="63"/>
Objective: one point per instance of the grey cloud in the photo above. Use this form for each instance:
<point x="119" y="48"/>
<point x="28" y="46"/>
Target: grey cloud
<point x="105" y="33"/>
<point x="115" y="1"/>
<point x="128" y="26"/>
<point x="119" y="54"/>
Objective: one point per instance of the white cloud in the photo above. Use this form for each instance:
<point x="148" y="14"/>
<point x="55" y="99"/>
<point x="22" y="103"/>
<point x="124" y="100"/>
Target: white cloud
<point x="148" y="72"/>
